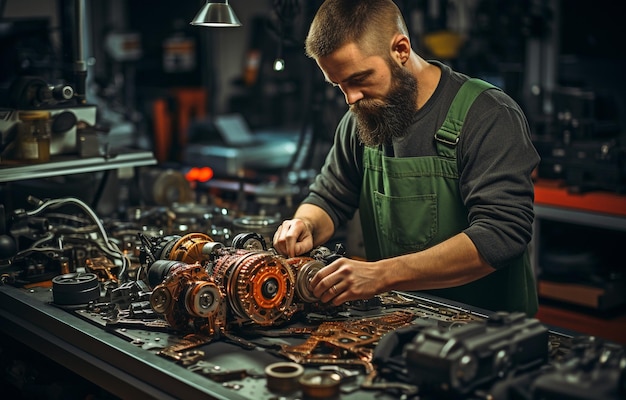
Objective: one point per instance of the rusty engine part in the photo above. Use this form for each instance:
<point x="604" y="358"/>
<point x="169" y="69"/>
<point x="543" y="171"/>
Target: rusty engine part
<point x="190" y="299"/>
<point x="193" y="278"/>
<point x="305" y="269"/>
<point x="259" y="286"/>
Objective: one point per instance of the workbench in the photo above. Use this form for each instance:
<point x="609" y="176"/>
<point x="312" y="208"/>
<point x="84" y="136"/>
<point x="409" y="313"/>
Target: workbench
<point x="124" y="361"/>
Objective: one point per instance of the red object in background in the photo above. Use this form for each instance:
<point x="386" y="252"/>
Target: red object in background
<point x="199" y="174"/>
<point x="555" y="193"/>
<point x="162" y="121"/>
<point x="189" y="104"/>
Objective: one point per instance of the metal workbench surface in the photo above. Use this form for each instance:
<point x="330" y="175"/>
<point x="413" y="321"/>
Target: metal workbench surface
<point x="127" y="368"/>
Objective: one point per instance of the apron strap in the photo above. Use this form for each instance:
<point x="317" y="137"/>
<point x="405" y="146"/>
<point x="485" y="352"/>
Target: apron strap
<point x="447" y="136"/>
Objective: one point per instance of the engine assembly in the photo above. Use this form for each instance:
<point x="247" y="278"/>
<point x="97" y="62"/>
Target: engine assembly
<point x="197" y="279"/>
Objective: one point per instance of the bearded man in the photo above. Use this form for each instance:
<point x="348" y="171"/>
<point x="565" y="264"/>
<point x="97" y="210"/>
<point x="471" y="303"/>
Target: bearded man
<point x="439" y="166"/>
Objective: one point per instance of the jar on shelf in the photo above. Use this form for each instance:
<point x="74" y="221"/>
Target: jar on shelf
<point x="34" y="136"/>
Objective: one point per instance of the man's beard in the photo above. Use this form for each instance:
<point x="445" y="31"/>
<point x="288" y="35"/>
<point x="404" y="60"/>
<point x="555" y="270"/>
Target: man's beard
<point x="378" y="121"/>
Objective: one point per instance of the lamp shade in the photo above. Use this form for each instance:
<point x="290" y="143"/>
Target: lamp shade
<point x="217" y="15"/>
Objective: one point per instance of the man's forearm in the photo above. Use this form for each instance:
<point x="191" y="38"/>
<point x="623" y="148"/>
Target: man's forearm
<point x="318" y="222"/>
<point x="453" y="262"/>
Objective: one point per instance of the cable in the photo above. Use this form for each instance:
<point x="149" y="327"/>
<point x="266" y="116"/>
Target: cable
<point x="111" y="248"/>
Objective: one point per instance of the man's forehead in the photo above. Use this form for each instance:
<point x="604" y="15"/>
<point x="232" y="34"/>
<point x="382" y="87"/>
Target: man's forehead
<point x="347" y="62"/>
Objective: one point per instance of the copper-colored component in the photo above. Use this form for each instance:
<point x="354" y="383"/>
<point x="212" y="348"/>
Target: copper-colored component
<point x="269" y="286"/>
<point x="180" y="351"/>
<point x="259" y="286"/>
<point x="202" y="299"/>
<point x="189" y="298"/>
<point x="188" y="249"/>
<point x="320" y="385"/>
<point x="161" y="299"/>
<point x="305" y="269"/>
<point x="346" y="342"/>
<point x="225" y="265"/>
<point x="101" y="266"/>
<point x="282" y="377"/>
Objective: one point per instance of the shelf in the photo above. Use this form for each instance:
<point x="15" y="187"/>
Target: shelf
<point x="604" y="210"/>
<point x="555" y="193"/>
<point x="609" y="328"/>
<point x="573" y="301"/>
<point x="571" y="216"/>
<point x="67" y="165"/>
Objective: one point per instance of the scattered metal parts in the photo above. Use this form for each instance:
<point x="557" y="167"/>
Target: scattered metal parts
<point x="204" y="367"/>
<point x="234" y="386"/>
<point x="346" y="342"/>
<point x="218" y="374"/>
<point x="129" y="292"/>
<point x="124" y="320"/>
<point x="182" y="349"/>
<point x="146" y="339"/>
<point x="101" y="266"/>
<point x="349" y="377"/>
<point x="232" y="375"/>
<point x="184" y="358"/>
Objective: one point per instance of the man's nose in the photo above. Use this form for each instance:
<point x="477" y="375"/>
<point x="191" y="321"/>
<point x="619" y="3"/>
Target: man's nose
<point x="352" y="95"/>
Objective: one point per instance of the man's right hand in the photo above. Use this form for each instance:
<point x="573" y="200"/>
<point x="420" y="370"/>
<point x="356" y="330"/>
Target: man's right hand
<point x="293" y="237"/>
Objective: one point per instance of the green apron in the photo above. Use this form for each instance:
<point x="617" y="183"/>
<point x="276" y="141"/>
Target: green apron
<point x="413" y="203"/>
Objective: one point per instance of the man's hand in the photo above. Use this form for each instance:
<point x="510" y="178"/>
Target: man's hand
<point x="345" y="279"/>
<point x="309" y="227"/>
<point x="293" y="237"/>
<point x="453" y="262"/>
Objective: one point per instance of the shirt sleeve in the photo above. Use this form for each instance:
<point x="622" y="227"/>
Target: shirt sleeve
<point x="336" y="189"/>
<point x="496" y="161"/>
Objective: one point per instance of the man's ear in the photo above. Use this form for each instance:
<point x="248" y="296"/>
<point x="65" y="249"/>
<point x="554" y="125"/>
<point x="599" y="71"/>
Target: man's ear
<point x="400" y="48"/>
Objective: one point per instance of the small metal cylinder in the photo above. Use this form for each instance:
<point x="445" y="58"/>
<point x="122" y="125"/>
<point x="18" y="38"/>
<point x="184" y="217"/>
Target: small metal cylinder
<point x="282" y="377"/>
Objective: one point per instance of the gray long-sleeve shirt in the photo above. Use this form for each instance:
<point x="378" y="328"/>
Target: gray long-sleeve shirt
<point x="495" y="157"/>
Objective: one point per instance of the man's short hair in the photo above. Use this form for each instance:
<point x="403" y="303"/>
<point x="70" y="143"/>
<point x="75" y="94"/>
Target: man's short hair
<point x="369" y="23"/>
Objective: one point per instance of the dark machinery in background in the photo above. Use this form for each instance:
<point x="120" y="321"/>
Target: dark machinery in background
<point x="454" y="363"/>
<point x="33" y="77"/>
<point x="45" y="69"/>
<point x="67" y="126"/>
<point x="575" y="112"/>
<point x="575" y="115"/>
<point x="585" y="147"/>
<point x="582" y="138"/>
<point x="560" y="60"/>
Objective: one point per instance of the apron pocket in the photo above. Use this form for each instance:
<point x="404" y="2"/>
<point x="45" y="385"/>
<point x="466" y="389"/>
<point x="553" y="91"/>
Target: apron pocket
<point x="406" y="224"/>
